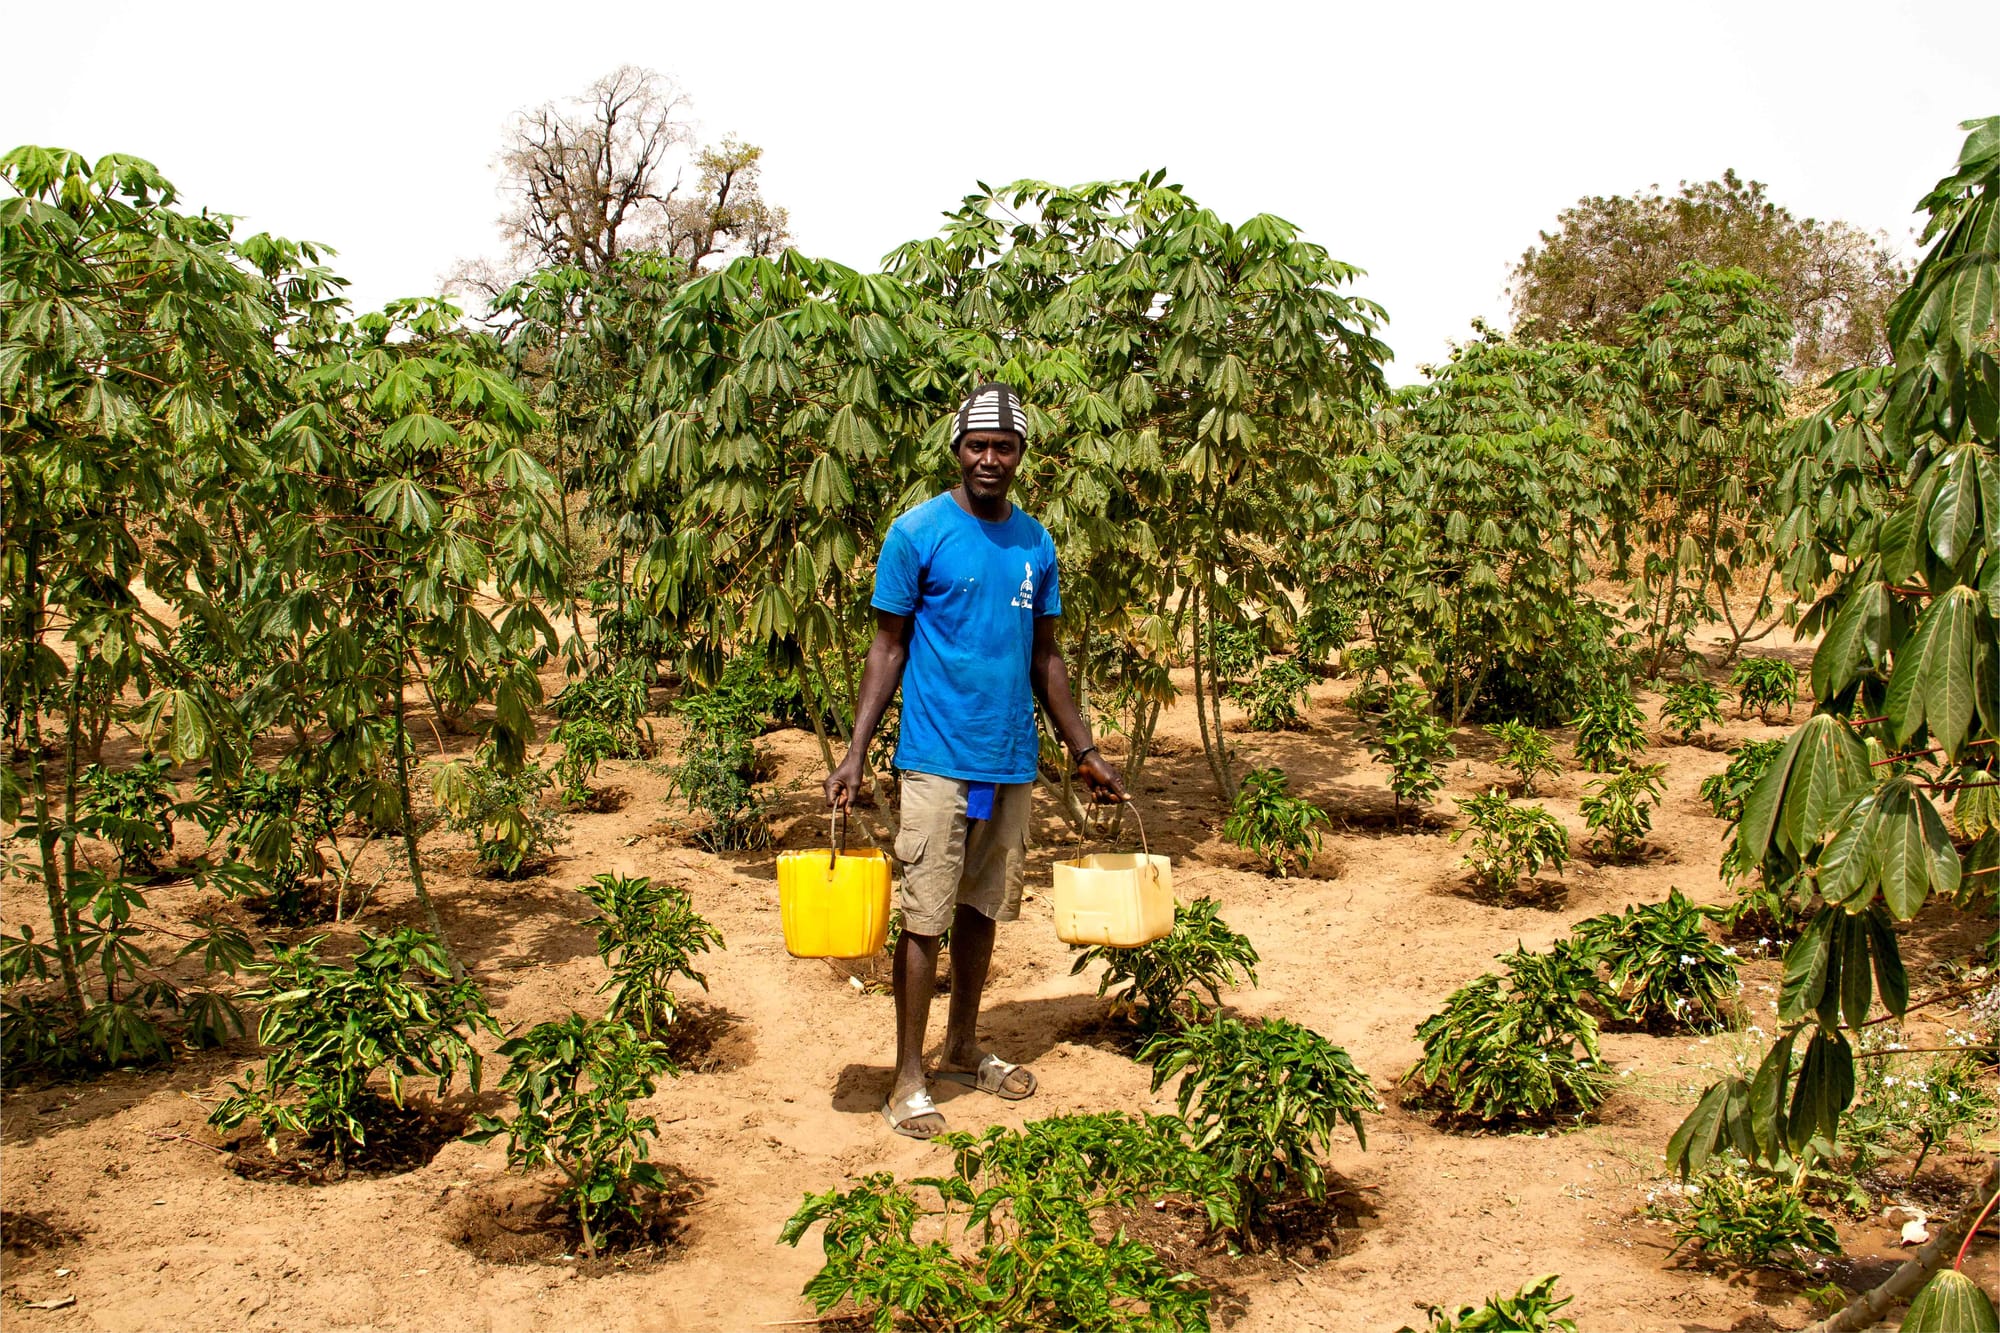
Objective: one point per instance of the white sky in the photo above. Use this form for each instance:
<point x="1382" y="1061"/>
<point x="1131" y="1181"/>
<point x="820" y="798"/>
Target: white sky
<point x="1425" y="143"/>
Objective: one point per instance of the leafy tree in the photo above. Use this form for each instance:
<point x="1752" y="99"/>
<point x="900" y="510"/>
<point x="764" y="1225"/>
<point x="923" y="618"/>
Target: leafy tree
<point x="138" y="359"/>
<point x="1185" y="378"/>
<point x="1705" y="357"/>
<point x="1909" y="636"/>
<point x="1609" y="256"/>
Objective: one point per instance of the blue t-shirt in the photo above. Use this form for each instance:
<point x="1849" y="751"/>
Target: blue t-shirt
<point x="974" y="590"/>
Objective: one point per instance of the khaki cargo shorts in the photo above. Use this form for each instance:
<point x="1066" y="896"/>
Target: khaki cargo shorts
<point x="948" y="859"/>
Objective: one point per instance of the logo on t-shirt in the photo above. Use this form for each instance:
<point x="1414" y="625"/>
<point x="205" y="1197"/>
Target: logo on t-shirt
<point x="1025" y="598"/>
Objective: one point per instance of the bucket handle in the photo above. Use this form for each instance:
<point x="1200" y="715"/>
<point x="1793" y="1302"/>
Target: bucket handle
<point x="1144" y="850"/>
<point x="836" y="834"/>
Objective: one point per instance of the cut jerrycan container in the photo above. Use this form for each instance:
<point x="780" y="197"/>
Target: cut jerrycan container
<point x="834" y="903"/>
<point x="1117" y="899"/>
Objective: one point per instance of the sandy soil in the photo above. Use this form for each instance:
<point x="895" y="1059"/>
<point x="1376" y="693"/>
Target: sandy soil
<point x="115" y="1194"/>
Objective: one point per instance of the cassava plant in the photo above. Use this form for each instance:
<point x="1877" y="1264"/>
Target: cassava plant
<point x="132" y="809"/>
<point x="1159" y="982"/>
<point x="1610" y="727"/>
<point x="1618" y="809"/>
<point x="574" y="1083"/>
<point x="1891" y="489"/>
<point x="500" y="812"/>
<point x="647" y="934"/>
<point x="1526" y="750"/>
<point x="1513" y="842"/>
<point x="1689" y="705"/>
<point x="1282" y="829"/>
<point x="329" y="1030"/>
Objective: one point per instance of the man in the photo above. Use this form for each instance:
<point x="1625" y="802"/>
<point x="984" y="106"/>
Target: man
<point x="965" y="611"/>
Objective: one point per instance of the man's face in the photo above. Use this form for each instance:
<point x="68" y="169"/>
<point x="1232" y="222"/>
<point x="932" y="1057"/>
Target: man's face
<point x="987" y="462"/>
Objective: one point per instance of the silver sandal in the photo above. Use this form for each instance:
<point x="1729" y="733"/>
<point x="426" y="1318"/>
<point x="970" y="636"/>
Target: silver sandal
<point x="898" y="1115"/>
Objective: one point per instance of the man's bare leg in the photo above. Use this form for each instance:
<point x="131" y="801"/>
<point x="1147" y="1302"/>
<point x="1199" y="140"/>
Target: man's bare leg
<point x="972" y="934"/>
<point x="914" y="978"/>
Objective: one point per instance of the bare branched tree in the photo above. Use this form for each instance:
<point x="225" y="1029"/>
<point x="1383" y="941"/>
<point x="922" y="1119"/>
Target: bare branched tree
<point x="592" y="176"/>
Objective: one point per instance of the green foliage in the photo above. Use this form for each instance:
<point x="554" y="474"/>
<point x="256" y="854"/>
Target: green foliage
<point x="1549" y="679"/>
<point x="1411" y="741"/>
<point x="1266" y="820"/>
<point x="1951" y="1302"/>
<point x="131" y="808"/>
<point x="1019" y="1251"/>
<point x="1706" y="355"/>
<point x="1514" y="841"/>
<point x="598" y="717"/>
<point x="647" y="934"/>
<point x="1329" y="625"/>
<point x="574" y="1082"/>
<point x="1232" y="650"/>
<point x="501" y="813"/>
<point x="328" y="1030"/>
<point x="1262" y="1101"/>
<point x="1610" y="727"/>
<point x="1690" y="705"/>
<point x="1275" y="697"/>
<point x="1725" y="791"/>
<point x="1532" y="1309"/>
<point x="1618" y="809"/>
<point x="1665" y="971"/>
<point x="1529" y="752"/>
<point x="1763" y="683"/>
<point x="1747" y="1220"/>
<point x="717" y="771"/>
<point x="1519" y="1048"/>
<point x="1159" y="981"/>
<point x="275" y="820"/>
<point x="1907" y="1103"/>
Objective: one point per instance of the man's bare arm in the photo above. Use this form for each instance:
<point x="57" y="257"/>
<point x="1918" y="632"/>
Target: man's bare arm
<point x="1050" y="679"/>
<point x="881" y="673"/>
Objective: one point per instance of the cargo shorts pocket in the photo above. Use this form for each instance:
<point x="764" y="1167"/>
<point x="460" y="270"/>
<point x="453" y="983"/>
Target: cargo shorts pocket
<point x="910" y="846"/>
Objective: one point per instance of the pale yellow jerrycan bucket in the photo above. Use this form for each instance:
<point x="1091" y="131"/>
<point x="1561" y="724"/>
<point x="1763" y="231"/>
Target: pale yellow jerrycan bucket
<point x="834" y="903"/>
<point x="1117" y="899"/>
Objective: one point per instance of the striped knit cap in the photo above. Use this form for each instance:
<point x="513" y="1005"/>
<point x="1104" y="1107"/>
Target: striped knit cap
<point x="991" y="407"/>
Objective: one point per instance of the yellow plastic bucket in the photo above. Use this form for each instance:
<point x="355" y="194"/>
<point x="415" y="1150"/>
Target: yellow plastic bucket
<point x="1117" y="899"/>
<point x="834" y="903"/>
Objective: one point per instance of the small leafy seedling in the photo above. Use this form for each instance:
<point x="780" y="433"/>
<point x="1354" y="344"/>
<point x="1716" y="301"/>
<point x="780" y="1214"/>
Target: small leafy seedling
<point x="1746" y="1220"/>
<point x="1412" y="742"/>
<point x="1726" y="791"/>
<point x="1159" y="981"/>
<point x="1528" y="752"/>
<point x="717" y="772"/>
<point x="1532" y="1309"/>
<point x="329" y="1030"/>
<point x="500" y="813"/>
<point x="130" y="808"/>
<point x="1263" y="1100"/>
<point x="1275" y="697"/>
<point x="1665" y="972"/>
<point x="1618" y="809"/>
<point x="574" y="1082"/>
<point x="1610" y="727"/>
<point x="1763" y="683"/>
<point x="1281" y="828"/>
<point x="647" y="934"/>
<point x="1518" y="1048"/>
<point x="1688" y="706"/>
<point x="1514" y="842"/>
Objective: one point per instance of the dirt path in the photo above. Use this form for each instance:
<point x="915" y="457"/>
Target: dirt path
<point x="113" y="1198"/>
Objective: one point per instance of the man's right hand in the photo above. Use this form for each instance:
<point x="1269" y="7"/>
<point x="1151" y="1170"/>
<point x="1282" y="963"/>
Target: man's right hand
<point x="844" y="783"/>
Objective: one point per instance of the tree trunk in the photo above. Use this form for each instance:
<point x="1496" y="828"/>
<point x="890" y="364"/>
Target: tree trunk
<point x="1868" y="1309"/>
<point x="409" y="813"/>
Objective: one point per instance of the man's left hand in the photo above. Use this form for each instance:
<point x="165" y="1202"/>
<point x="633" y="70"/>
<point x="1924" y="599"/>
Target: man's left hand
<point x="1101" y="776"/>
